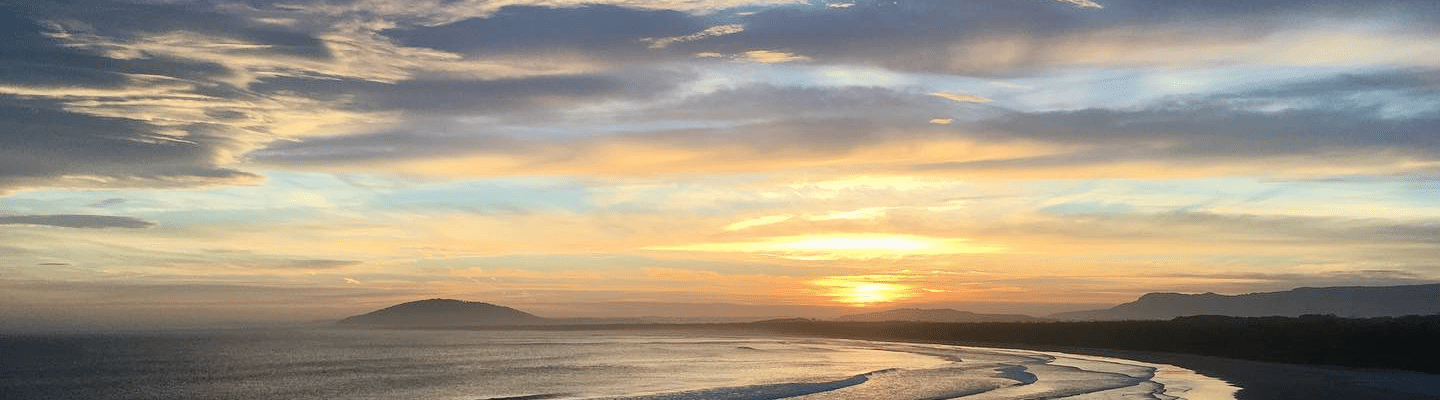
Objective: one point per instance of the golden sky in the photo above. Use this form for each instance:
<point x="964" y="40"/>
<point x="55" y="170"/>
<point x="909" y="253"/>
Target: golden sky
<point x="183" y="162"/>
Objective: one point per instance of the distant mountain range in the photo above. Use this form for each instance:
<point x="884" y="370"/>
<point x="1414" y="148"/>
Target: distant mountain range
<point x="935" y="315"/>
<point x="445" y="312"/>
<point x="1346" y="301"/>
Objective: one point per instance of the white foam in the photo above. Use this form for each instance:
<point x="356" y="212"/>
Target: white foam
<point x="1178" y="383"/>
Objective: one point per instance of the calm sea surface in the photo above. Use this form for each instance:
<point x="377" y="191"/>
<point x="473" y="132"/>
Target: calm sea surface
<point x="473" y="365"/>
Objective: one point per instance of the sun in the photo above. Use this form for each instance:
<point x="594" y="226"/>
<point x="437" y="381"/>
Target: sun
<point x="861" y="293"/>
<point x="873" y="293"/>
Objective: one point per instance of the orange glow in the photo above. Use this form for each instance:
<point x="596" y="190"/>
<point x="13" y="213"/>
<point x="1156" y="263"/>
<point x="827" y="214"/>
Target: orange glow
<point x="861" y="293"/>
<point x="845" y="246"/>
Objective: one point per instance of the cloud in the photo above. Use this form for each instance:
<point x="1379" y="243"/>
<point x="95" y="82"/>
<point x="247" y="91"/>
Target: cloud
<point x="777" y="146"/>
<point x="317" y="264"/>
<point x="718" y="30"/>
<point x="77" y="221"/>
<point x="771" y="57"/>
<point x="92" y="115"/>
<point x="1029" y="38"/>
<point x="844" y="246"/>
<point x="761" y="221"/>
<point x="1319" y="131"/>
<point x="108" y="202"/>
<point x="1083" y="3"/>
<point x="1199" y="131"/>
<point x="961" y="97"/>
<point x="442" y="12"/>
<point x="519" y="98"/>
<point x="1345" y="125"/>
<point x="1338" y="234"/>
<point x="50" y="145"/>
<point x="603" y="34"/>
<point x="175" y="96"/>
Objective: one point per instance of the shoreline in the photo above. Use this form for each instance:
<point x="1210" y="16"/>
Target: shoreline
<point x="1258" y="380"/>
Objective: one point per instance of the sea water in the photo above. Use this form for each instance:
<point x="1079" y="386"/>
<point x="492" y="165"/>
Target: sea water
<point x="519" y="364"/>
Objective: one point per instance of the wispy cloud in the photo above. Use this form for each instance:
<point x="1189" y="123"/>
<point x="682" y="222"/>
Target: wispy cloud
<point x="757" y="56"/>
<point x="761" y="221"/>
<point x="961" y="97"/>
<point x="719" y="149"/>
<point x="844" y="246"/>
<point x="718" y="30"/>
<point x="1083" y="3"/>
<point x="77" y="221"/>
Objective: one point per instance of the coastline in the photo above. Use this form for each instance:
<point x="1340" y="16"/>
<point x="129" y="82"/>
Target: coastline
<point x="1256" y="380"/>
<point x="1273" y="381"/>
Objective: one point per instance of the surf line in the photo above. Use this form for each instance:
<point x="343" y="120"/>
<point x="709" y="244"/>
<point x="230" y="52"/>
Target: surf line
<point x="760" y="392"/>
<point x="1175" y="382"/>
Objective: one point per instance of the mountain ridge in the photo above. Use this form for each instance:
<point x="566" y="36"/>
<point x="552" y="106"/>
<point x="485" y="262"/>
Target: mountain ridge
<point x="1343" y="301"/>
<point x="934" y="315"/>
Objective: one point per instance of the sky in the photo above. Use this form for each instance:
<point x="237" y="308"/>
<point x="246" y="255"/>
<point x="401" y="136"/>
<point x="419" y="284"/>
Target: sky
<point x="174" y="161"/>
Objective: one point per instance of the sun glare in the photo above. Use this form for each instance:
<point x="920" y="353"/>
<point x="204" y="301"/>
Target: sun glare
<point x="863" y="293"/>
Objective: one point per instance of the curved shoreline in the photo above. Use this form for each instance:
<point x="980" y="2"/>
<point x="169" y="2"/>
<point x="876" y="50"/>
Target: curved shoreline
<point x="1175" y="382"/>
<point x="1257" y="380"/>
<point x="1253" y="380"/>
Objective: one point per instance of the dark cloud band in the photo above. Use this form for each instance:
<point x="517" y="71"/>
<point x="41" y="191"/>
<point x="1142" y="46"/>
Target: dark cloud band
<point x="77" y="221"/>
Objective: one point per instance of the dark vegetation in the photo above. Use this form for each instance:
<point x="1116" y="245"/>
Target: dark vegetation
<point x="1406" y="343"/>
<point x="1344" y="301"/>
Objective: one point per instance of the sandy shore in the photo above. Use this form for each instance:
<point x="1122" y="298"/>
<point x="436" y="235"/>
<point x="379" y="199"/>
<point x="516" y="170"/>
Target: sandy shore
<point x="1271" y="381"/>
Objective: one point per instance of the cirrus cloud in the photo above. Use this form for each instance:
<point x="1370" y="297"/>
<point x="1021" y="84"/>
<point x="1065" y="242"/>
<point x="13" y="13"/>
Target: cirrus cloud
<point x="77" y="221"/>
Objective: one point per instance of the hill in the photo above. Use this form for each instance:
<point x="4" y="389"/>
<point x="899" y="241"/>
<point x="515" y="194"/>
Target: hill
<point x="1345" y="301"/>
<point x="445" y="312"/>
<point x="935" y="315"/>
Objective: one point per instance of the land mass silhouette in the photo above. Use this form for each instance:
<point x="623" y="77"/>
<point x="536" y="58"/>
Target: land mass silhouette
<point x="445" y="312"/>
<point x="1343" y="301"/>
<point x="935" y="315"/>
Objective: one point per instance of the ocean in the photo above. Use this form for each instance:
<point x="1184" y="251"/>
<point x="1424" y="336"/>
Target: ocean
<point x="519" y="365"/>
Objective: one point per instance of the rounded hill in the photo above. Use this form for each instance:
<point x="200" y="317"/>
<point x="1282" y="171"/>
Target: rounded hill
<point x="444" y="312"/>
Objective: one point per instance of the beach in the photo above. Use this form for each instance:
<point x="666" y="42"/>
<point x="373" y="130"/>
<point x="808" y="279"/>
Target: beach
<point x="650" y="363"/>
<point x="1274" y="381"/>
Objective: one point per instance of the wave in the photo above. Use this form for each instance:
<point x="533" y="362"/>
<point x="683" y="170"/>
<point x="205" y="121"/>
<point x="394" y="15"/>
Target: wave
<point x="759" y="392"/>
<point x="532" y="397"/>
<point x="978" y="374"/>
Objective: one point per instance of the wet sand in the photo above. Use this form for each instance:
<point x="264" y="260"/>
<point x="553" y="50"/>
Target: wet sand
<point x="1271" y="381"/>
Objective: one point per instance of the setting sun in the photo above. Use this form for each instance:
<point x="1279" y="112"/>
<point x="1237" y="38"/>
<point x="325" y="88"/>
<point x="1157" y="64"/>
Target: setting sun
<point x="861" y="293"/>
